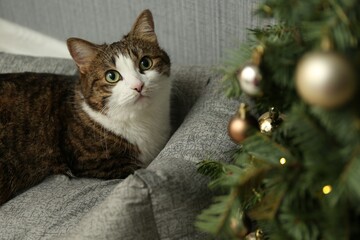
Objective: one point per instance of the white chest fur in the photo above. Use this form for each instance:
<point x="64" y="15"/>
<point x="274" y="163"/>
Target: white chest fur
<point x="148" y="130"/>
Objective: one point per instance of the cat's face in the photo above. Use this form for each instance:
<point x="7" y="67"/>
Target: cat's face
<point x="128" y="75"/>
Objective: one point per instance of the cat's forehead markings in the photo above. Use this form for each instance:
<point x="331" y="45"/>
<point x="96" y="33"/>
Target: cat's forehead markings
<point x="124" y="64"/>
<point x="134" y="53"/>
<point x="113" y="60"/>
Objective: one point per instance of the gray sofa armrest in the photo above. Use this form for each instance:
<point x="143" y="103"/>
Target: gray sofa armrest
<point x="159" y="202"/>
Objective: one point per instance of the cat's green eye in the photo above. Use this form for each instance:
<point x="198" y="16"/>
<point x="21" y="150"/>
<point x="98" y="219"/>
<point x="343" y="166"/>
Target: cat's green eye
<point x="145" y="63"/>
<point x="112" y="76"/>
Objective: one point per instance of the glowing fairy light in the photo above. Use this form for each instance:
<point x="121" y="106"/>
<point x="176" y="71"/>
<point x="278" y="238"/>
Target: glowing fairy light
<point x="282" y="161"/>
<point x="327" y="189"/>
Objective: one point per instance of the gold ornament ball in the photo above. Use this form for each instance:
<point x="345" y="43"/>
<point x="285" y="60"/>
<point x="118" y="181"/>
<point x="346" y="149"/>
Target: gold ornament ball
<point x="257" y="235"/>
<point x="270" y="120"/>
<point x="325" y="79"/>
<point x="265" y="124"/>
<point x="251" y="236"/>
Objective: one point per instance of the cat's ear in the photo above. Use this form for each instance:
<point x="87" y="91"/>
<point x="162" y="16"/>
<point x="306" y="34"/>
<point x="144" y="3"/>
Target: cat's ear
<point x="83" y="52"/>
<point x="144" y="27"/>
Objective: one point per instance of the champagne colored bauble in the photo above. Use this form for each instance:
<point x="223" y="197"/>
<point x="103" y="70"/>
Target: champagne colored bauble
<point x="250" y="78"/>
<point x="325" y="79"/>
<point x="241" y="124"/>
<point x="238" y="129"/>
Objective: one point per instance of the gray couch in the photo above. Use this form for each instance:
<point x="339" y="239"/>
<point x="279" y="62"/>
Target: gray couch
<point x="159" y="202"/>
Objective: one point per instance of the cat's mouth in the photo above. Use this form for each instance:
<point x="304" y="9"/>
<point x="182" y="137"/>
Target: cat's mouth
<point x="141" y="97"/>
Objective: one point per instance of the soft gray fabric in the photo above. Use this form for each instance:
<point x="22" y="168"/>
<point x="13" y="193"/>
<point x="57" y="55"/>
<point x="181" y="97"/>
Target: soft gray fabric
<point x="160" y="202"/>
<point x="193" y="32"/>
<point x="51" y="208"/>
<point x="171" y="184"/>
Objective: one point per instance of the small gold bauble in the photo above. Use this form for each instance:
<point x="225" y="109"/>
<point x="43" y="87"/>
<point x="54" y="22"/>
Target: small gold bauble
<point x="250" y="236"/>
<point x="325" y="79"/>
<point x="257" y="235"/>
<point x="250" y="78"/>
<point x="266" y="125"/>
<point x="270" y="120"/>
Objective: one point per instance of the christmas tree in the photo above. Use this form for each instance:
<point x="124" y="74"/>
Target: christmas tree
<point x="296" y="172"/>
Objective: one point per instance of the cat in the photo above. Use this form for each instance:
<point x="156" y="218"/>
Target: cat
<point x="111" y="119"/>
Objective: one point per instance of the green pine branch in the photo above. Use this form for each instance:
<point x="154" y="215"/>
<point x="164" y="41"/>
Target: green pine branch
<point x="217" y="219"/>
<point x="301" y="181"/>
<point x="212" y="169"/>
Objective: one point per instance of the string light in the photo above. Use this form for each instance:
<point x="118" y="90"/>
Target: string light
<point x="282" y="161"/>
<point x="327" y="189"/>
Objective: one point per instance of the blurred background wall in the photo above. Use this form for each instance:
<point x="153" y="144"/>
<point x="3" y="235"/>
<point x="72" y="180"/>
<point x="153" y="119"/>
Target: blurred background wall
<point x="196" y="32"/>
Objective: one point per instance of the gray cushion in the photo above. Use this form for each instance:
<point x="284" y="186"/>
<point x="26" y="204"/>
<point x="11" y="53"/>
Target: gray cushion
<point x="160" y="202"/>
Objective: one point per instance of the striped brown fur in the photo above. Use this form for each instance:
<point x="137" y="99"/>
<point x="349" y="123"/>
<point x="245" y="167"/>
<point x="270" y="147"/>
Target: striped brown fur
<point x="43" y="131"/>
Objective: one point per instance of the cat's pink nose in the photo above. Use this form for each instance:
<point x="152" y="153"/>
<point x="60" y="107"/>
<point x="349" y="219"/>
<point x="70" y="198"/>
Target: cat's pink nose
<point x="138" y="87"/>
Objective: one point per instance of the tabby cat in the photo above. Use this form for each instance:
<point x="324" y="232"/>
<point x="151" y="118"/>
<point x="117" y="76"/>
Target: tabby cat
<point x="105" y="123"/>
